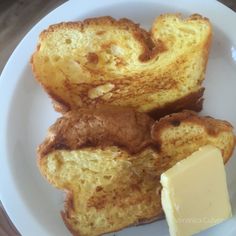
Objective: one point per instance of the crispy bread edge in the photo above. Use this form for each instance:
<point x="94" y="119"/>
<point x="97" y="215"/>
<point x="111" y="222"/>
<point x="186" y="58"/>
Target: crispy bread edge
<point x="207" y="122"/>
<point x="106" y="126"/>
<point x="193" y="101"/>
<point x="68" y="206"/>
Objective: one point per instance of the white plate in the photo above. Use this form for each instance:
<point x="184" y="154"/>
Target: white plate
<point x="26" y="112"/>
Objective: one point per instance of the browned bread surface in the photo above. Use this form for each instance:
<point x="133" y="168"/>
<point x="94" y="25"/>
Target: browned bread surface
<point x="106" y="126"/>
<point x="105" y="161"/>
<point x="195" y="131"/>
<point x="107" y="61"/>
<point x="109" y="162"/>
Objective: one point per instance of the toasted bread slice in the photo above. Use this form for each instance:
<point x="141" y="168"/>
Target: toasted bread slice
<point x="107" y="61"/>
<point x="109" y="164"/>
<point x="180" y="134"/>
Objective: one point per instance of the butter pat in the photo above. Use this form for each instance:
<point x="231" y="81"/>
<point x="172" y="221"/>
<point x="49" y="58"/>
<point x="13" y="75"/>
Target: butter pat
<point x="194" y="195"/>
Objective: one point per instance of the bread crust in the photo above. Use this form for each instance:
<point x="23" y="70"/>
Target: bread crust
<point x="101" y="127"/>
<point x="193" y="101"/>
<point x="76" y="233"/>
<point x="142" y="36"/>
<point x="212" y="126"/>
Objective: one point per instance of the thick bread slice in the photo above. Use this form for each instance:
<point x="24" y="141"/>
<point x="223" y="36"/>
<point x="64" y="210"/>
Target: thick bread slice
<point x="98" y="157"/>
<point x="180" y="134"/>
<point x="107" y="61"/>
<point x="109" y="165"/>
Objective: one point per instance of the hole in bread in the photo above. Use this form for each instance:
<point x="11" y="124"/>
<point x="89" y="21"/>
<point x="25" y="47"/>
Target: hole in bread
<point x="68" y="41"/>
<point x="99" y="188"/>
<point x="175" y="123"/>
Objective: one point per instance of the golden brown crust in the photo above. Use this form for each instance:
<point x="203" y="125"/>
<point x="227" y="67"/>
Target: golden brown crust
<point x="68" y="225"/>
<point x="77" y="233"/>
<point x="142" y="36"/>
<point x="212" y="126"/>
<point x="193" y="101"/>
<point x="208" y="42"/>
<point x="104" y="126"/>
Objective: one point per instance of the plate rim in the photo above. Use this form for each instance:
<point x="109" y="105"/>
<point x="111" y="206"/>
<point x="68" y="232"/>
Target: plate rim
<point x="7" y="88"/>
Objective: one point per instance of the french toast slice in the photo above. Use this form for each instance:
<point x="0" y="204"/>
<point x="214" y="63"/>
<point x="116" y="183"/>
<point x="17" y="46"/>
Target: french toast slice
<point x="109" y="162"/>
<point x="116" y="62"/>
<point x="180" y="134"/>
